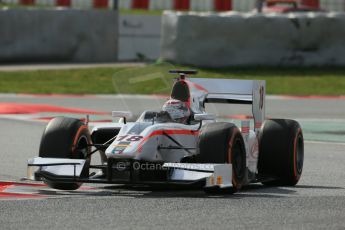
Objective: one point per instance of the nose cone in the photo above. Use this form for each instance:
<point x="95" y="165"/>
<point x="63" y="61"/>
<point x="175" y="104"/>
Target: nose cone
<point x="120" y="151"/>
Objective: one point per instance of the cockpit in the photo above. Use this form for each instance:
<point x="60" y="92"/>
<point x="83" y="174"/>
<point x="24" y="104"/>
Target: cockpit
<point x="156" y="117"/>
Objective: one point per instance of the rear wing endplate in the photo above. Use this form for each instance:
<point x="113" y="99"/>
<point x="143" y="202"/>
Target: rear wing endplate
<point x="236" y="92"/>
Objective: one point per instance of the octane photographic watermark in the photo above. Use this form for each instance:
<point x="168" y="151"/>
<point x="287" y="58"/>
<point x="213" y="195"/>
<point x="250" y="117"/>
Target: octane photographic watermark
<point x="149" y="166"/>
<point x="143" y="166"/>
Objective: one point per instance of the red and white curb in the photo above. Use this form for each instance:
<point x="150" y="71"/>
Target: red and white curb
<point x="10" y="190"/>
<point x="45" y="112"/>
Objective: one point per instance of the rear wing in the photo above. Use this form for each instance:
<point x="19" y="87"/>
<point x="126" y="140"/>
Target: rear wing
<point x="235" y="92"/>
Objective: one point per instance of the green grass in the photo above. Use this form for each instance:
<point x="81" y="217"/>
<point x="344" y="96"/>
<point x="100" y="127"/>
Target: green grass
<point x="154" y="79"/>
<point x="45" y="6"/>
<point x="18" y="6"/>
<point x="141" y="12"/>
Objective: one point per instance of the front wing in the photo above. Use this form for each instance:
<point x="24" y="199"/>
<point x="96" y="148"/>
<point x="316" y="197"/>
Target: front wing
<point x="131" y="172"/>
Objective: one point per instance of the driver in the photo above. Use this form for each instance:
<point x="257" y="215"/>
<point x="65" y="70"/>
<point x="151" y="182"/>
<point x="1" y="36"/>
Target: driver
<point x="177" y="110"/>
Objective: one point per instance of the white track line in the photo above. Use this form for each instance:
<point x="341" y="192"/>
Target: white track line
<point x="325" y="142"/>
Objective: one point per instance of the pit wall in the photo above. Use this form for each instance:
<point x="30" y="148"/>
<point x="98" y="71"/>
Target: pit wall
<point x="58" y="35"/>
<point x="245" y="39"/>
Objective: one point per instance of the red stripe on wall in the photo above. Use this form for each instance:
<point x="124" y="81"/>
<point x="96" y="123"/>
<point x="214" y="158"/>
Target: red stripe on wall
<point x="100" y="3"/>
<point x="181" y="4"/>
<point x="223" y="5"/>
<point x="63" y="2"/>
<point x="27" y="2"/>
<point x="140" y="4"/>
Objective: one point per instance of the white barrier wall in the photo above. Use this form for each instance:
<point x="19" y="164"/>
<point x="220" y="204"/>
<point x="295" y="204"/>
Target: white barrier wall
<point x="139" y="37"/>
<point x="160" y="4"/>
<point x="235" y="39"/>
<point x="243" y="5"/>
<point x="125" y="4"/>
<point x="58" y="35"/>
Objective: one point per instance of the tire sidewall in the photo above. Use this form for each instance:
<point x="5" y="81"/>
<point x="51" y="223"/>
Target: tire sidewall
<point x="60" y="139"/>
<point x="217" y="144"/>
<point x="279" y="140"/>
<point x="236" y="140"/>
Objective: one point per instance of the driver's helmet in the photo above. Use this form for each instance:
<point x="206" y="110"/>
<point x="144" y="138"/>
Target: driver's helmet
<point x="177" y="110"/>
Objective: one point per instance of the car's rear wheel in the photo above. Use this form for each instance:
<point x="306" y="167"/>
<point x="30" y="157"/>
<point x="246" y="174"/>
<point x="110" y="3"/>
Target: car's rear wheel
<point x="65" y="138"/>
<point x="222" y="142"/>
<point x="281" y="152"/>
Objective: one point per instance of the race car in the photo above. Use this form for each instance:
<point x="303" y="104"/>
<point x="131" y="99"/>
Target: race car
<point x="181" y="145"/>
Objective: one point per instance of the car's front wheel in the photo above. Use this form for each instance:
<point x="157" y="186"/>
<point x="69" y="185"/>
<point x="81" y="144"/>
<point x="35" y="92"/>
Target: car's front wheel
<point x="65" y="138"/>
<point x="221" y="143"/>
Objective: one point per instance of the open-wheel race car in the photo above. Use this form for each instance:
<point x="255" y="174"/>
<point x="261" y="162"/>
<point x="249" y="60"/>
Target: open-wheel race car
<point x="181" y="145"/>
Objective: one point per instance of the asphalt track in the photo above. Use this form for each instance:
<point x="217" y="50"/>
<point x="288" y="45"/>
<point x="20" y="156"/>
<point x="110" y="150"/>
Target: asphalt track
<point x="317" y="202"/>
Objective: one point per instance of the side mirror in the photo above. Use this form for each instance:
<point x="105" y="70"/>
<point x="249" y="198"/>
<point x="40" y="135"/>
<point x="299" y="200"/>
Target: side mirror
<point x="204" y="117"/>
<point x="123" y="114"/>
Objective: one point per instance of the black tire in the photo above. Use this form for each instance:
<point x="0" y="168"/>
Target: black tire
<point x="222" y="142"/>
<point x="281" y="152"/>
<point x="65" y="138"/>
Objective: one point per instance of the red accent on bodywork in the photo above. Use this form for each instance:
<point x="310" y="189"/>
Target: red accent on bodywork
<point x="257" y="125"/>
<point x="245" y="130"/>
<point x="239" y="117"/>
<point x="199" y="87"/>
<point x="169" y="132"/>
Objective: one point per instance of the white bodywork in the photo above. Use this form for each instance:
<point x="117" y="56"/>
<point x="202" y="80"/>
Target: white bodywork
<point x="147" y="140"/>
<point x="152" y="140"/>
<point x="57" y="166"/>
<point x="144" y="141"/>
